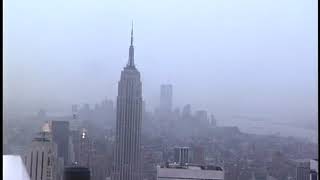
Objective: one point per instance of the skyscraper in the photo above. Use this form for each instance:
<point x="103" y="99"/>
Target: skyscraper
<point x="84" y="149"/>
<point x="41" y="158"/>
<point x="127" y="162"/>
<point x="166" y="98"/>
<point x="303" y="171"/>
<point x="60" y="135"/>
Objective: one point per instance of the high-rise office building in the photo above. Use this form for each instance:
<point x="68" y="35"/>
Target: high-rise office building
<point x="181" y="155"/>
<point x="307" y="169"/>
<point x="60" y="135"/>
<point x="166" y="98"/>
<point x="84" y="149"/>
<point x="75" y="138"/>
<point x="314" y="171"/>
<point x="41" y="159"/>
<point x="303" y="170"/>
<point x="127" y="162"/>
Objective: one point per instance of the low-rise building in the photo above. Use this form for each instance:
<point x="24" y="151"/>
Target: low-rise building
<point x="188" y="171"/>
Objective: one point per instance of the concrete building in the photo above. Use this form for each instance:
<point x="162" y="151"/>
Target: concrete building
<point x="75" y="138"/>
<point x="148" y="164"/>
<point x="198" y="154"/>
<point x="306" y="169"/>
<point x="174" y="171"/>
<point x="303" y="172"/>
<point x="84" y="149"/>
<point x="41" y="159"/>
<point x="303" y="169"/>
<point x="60" y="135"/>
<point x="314" y="171"/>
<point x="127" y="162"/>
<point x="181" y="155"/>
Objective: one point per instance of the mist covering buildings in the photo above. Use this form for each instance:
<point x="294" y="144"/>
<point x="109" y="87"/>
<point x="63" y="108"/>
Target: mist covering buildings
<point x="226" y="93"/>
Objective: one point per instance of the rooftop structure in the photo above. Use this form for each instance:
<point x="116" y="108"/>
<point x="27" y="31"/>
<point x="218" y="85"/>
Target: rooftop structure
<point x="189" y="171"/>
<point x="76" y="173"/>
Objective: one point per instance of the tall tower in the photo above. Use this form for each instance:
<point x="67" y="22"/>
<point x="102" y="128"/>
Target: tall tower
<point x="127" y="162"/>
<point x="166" y="98"/>
<point x="60" y="135"/>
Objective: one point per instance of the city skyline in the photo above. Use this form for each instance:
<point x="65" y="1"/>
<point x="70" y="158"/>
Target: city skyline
<point x="247" y="66"/>
<point x="221" y="90"/>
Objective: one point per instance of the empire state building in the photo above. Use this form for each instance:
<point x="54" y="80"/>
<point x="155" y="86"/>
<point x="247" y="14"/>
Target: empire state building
<point x="127" y="163"/>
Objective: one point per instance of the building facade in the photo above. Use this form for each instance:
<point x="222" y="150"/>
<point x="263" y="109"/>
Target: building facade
<point x="60" y="135"/>
<point x="181" y="155"/>
<point x="84" y="149"/>
<point x="127" y="158"/>
<point x="314" y="171"/>
<point x="41" y="159"/>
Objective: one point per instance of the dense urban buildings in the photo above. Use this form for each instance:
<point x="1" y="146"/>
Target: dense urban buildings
<point x="127" y="162"/>
<point x="130" y="142"/>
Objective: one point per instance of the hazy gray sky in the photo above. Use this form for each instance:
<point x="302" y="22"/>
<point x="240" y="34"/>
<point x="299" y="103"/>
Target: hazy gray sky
<point x="226" y="56"/>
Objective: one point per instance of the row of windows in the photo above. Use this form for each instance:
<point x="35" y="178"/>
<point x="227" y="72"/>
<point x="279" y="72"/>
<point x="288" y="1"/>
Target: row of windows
<point x="37" y="159"/>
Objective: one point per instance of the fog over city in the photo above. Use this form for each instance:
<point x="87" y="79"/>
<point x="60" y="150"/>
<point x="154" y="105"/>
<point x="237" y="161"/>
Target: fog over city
<point x="255" y="59"/>
<point x="160" y="90"/>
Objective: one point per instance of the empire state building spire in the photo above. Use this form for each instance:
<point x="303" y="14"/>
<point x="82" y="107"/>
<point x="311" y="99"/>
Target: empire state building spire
<point x="132" y="33"/>
<point x="127" y="152"/>
<point x="131" y="51"/>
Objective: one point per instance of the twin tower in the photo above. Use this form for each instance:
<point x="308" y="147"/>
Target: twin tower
<point x="127" y="152"/>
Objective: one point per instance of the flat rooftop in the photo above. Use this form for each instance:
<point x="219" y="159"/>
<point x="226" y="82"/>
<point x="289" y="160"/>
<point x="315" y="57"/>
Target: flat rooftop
<point x="192" y="166"/>
<point x="175" y="171"/>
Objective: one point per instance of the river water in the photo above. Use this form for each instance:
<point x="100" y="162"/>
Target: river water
<point x="267" y="128"/>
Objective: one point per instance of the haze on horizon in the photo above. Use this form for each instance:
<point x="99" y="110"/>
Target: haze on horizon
<point x="228" y="57"/>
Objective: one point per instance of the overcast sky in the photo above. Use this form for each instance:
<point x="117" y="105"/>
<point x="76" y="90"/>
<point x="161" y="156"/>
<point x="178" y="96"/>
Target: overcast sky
<point x="229" y="57"/>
